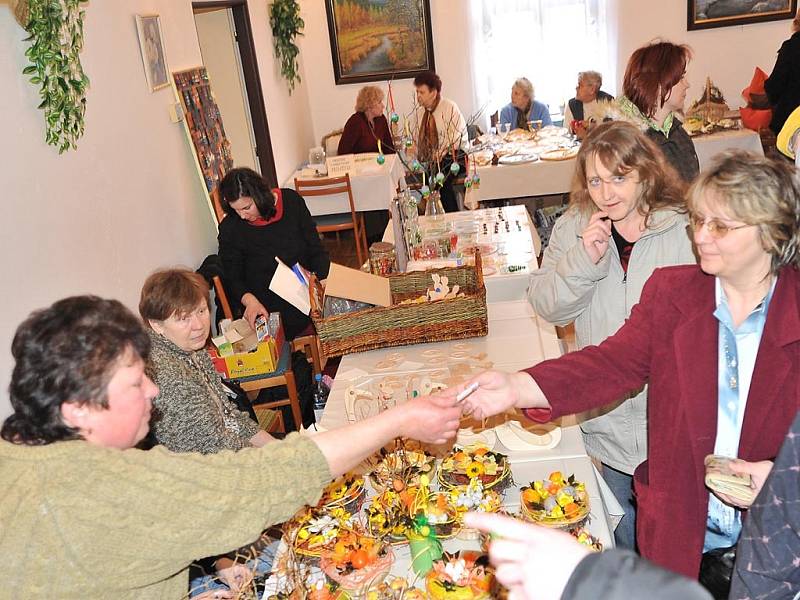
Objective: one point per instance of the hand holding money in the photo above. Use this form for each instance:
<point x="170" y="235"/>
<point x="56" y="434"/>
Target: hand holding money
<point x="735" y="482"/>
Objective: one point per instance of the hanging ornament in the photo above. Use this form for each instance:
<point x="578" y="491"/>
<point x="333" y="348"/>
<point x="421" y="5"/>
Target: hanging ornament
<point x="381" y="159"/>
<point x="409" y="142"/>
<point x="455" y="168"/>
<point x="439" y="177"/>
<point x="395" y="117"/>
<point x="425" y="190"/>
<point x="416" y="166"/>
<point x="468" y="182"/>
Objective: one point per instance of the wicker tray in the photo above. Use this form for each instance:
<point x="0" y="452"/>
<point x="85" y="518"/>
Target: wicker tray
<point x="402" y="324"/>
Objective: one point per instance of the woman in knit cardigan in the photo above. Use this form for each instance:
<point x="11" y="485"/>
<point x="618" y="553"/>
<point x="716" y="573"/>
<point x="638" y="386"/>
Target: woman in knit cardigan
<point x="124" y="523"/>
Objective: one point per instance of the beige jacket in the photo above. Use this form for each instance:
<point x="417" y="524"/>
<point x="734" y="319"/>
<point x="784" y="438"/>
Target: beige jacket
<point x="598" y="298"/>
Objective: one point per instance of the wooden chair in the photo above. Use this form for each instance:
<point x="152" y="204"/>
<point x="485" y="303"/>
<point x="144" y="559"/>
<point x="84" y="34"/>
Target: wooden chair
<point x="334" y="186"/>
<point x="283" y="375"/>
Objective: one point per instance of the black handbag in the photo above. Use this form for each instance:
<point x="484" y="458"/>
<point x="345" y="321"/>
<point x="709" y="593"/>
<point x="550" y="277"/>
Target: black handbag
<point x="716" y="570"/>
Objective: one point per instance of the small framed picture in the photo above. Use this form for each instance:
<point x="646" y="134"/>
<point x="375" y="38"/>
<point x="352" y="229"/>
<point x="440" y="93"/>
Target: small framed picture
<point x="152" y="46"/>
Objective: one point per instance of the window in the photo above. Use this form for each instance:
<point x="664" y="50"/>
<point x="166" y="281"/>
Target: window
<point x="547" y="41"/>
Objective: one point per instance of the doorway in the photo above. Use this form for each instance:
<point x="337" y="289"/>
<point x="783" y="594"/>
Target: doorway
<point x="226" y="44"/>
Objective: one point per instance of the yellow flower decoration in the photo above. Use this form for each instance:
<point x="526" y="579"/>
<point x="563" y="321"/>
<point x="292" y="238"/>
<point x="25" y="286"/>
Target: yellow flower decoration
<point x="475" y="469"/>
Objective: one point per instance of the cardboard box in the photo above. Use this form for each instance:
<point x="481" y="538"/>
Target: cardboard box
<point x="262" y="359"/>
<point x="353" y="284"/>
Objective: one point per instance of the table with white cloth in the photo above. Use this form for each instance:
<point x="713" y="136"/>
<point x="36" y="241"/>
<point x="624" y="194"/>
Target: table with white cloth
<point x="708" y="146"/>
<point x="373" y="187"/>
<point x="537" y="178"/>
<point x="508" y="241"/>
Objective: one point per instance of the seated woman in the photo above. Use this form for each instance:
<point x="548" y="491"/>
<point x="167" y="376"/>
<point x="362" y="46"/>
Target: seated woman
<point x="627" y="217"/>
<point x="193" y="411"/>
<point x="126" y="523"/>
<point x="523" y="107"/>
<point x="654" y="90"/>
<point x="718" y="344"/>
<point x="262" y="224"/>
<point x="367" y="125"/>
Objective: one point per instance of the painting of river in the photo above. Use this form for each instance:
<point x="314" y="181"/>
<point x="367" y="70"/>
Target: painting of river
<point x="374" y="40"/>
<point x="722" y="13"/>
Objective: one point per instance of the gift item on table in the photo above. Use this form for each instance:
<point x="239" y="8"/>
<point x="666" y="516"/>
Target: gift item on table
<point x="464" y="576"/>
<point x="556" y="502"/>
<point x="382" y="258"/>
<point x="341" y="306"/>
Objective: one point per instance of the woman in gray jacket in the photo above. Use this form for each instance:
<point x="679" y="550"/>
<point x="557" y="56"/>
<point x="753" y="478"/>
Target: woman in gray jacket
<point x="626" y="218"/>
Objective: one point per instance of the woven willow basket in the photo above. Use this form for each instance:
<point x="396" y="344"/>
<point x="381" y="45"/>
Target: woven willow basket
<point x="402" y="324"/>
<point x="22" y="12"/>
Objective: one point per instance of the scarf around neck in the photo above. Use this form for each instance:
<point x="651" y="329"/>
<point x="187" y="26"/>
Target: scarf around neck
<point x="428" y="135"/>
<point x="522" y="116"/>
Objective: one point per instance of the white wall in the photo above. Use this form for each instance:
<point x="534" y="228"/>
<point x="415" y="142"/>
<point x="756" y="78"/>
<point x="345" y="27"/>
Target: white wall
<point x="727" y="54"/>
<point x="99" y="219"/>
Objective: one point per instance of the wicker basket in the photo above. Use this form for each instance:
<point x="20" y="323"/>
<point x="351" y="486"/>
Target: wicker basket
<point x="402" y="324"/>
<point x="22" y="12"/>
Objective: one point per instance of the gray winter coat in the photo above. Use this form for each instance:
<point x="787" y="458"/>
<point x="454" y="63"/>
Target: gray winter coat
<point x="598" y="298"/>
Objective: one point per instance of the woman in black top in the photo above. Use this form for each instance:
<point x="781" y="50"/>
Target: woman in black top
<point x="783" y="85"/>
<point x="262" y="224"/>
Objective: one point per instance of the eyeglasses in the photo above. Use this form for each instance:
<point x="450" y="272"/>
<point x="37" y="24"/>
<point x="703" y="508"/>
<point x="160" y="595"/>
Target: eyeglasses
<point x="716" y="228"/>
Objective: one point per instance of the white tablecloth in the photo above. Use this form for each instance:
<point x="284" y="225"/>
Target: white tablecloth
<point x="708" y="146"/>
<point x="373" y="189"/>
<point x="532" y="179"/>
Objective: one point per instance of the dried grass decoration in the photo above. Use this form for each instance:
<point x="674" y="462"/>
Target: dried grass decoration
<point x="401" y="468"/>
<point x="555" y="502"/>
<point x="462" y="465"/>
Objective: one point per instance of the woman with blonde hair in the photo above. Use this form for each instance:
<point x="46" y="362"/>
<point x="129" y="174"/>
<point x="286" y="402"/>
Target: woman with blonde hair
<point x="367" y="125"/>
<point x="626" y="218"/>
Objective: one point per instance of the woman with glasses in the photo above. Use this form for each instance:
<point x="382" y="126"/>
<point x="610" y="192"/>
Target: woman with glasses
<point x="627" y="217"/>
<point x="719" y="346"/>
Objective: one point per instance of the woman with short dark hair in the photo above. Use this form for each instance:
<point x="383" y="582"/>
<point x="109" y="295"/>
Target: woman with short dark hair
<point x="125" y="523"/>
<point x="263" y="224"/>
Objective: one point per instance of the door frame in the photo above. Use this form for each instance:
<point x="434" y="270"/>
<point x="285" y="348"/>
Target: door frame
<point x="252" y="82"/>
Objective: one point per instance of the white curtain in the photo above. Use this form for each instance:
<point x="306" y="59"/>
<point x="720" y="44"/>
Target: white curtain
<point x="547" y="41"/>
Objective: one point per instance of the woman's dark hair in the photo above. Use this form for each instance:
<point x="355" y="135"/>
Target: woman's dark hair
<point x="241" y="183"/>
<point x="67" y="353"/>
<point x="652" y="72"/>
<point x="429" y="78"/>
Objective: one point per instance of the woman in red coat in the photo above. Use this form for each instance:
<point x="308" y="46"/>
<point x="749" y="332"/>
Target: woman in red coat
<point x="719" y="345"/>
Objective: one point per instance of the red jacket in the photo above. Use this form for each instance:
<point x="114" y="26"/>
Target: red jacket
<point x="670" y="342"/>
<point x="357" y="137"/>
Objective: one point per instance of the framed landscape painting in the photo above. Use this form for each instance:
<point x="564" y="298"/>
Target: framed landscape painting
<point x="374" y="40"/>
<point x="704" y="14"/>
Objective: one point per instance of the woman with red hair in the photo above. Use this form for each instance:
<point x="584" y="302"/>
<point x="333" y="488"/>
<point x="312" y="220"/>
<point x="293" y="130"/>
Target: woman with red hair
<point x="654" y="92"/>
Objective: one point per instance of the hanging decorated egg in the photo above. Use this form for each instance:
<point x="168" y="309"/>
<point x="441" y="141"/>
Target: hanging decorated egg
<point x="381" y="159"/>
<point x="425" y="190"/>
<point x="409" y="142"/>
<point x="439" y="177"/>
<point x="416" y="166"/>
<point x="468" y="182"/>
<point x="455" y="168"/>
<point x="395" y="117"/>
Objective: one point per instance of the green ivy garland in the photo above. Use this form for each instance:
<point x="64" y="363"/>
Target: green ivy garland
<point x="284" y="18"/>
<point x="56" y="33"/>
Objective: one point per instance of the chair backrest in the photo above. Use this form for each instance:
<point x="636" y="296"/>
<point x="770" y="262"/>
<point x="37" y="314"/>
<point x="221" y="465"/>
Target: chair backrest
<point x="338" y="188"/>
<point x="330" y="142"/>
<point x="223" y="297"/>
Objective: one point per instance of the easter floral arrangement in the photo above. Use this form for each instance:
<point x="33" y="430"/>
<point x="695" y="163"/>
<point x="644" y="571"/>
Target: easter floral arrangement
<point x="388" y="514"/>
<point x="475" y="497"/>
<point x="462" y="576"/>
<point x="314" y="530"/>
<point x="555" y="501"/>
<point x="356" y="561"/>
<point x="346" y="491"/>
<point x="474" y="462"/>
<point x="401" y="468"/>
<point x="586" y="538"/>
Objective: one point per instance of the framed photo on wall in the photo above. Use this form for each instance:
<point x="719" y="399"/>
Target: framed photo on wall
<point x="152" y="46"/>
<point x="705" y="14"/>
<point x="374" y="40"/>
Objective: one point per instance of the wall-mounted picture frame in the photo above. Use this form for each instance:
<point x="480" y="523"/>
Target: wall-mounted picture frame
<point x="376" y="40"/>
<point x="151" y="44"/>
<point x="705" y="14"/>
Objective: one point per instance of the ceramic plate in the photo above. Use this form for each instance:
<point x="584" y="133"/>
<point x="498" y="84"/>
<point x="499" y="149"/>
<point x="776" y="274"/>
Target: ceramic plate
<point x="518" y="159"/>
<point x="534" y="436"/>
